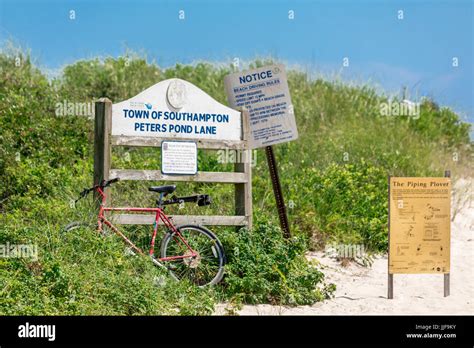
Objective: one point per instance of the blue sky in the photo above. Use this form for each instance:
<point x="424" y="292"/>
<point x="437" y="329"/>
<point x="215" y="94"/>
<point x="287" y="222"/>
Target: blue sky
<point x="416" y="52"/>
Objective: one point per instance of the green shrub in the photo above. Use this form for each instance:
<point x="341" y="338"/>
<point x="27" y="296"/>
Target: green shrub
<point x="83" y="273"/>
<point x="264" y="267"/>
<point x="350" y="203"/>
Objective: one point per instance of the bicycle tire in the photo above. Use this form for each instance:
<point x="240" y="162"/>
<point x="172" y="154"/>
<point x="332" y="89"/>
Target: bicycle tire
<point x="216" y="248"/>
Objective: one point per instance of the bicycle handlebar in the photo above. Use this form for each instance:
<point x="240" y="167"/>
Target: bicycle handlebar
<point x="110" y="182"/>
<point x="103" y="184"/>
<point x="201" y="200"/>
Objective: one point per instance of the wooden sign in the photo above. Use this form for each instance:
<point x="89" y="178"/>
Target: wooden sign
<point x="419" y="225"/>
<point x="182" y="118"/>
<point x="175" y="108"/>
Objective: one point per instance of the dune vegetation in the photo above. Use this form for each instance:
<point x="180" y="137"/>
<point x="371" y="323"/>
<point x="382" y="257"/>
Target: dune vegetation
<point x="334" y="179"/>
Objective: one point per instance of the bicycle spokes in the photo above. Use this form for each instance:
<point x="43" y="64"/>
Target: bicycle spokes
<point x="200" y="260"/>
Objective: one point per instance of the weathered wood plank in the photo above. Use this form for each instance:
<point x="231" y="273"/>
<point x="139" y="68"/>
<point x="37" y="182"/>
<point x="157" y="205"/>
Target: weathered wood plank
<point x="102" y="148"/>
<point x="446" y="285"/>
<point x="156" y="175"/>
<point x="122" y="140"/>
<point x="211" y="220"/>
<point x="243" y="191"/>
<point x="390" y="287"/>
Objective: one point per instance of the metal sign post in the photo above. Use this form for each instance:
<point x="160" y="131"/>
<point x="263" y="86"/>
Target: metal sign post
<point x="272" y="166"/>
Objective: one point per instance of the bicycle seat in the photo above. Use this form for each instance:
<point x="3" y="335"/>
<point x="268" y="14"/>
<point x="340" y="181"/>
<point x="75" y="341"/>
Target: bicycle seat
<point x="163" y="189"/>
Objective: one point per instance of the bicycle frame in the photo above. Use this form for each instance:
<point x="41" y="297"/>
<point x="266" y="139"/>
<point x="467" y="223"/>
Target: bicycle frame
<point x="159" y="216"/>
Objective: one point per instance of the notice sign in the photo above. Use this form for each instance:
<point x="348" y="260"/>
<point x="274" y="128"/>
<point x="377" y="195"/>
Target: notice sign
<point x="179" y="157"/>
<point x="264" y="93"/>
<point x="420" y="216"/>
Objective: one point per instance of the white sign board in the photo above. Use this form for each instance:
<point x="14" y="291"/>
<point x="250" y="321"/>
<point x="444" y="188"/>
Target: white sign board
<point x="264" y="93"/>
<point x="175" y="109"/>
<point x="179" y="157"/>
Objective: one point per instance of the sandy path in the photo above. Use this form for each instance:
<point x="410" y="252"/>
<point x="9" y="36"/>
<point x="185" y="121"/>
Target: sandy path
<point x="362" y="290"/>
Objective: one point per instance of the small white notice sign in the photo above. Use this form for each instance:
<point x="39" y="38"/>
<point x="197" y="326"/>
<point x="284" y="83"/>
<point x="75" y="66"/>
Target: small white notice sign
<point x="179" y="157"/>
<point x="264" y="93"/>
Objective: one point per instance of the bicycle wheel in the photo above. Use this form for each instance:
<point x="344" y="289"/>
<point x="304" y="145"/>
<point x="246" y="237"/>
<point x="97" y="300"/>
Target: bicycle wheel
<point x="207" y="268"/>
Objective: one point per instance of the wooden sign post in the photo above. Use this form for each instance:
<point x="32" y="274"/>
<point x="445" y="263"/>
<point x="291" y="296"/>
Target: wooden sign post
<point x="174" y="110"/>
<point x="419" y="227"/>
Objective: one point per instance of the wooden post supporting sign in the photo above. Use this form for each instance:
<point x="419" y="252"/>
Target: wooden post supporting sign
<point x="243" y="191"/>
<point x="447" y="174"/>
<point x="102" y="148"/>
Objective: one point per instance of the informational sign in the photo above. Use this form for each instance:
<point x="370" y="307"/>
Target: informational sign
<point x="177" y="117"/>
<point x="419" y="236"/>
<point x="264" y="93"/>
<point x="175" y="109"/>
<point x="179" y="157"/>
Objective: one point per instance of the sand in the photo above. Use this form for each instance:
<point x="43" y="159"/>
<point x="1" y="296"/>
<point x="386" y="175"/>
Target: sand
<point x="363" y="290"/>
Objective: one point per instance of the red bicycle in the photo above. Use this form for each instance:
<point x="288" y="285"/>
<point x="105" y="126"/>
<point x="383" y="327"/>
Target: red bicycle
<point x="187" y="251"/>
